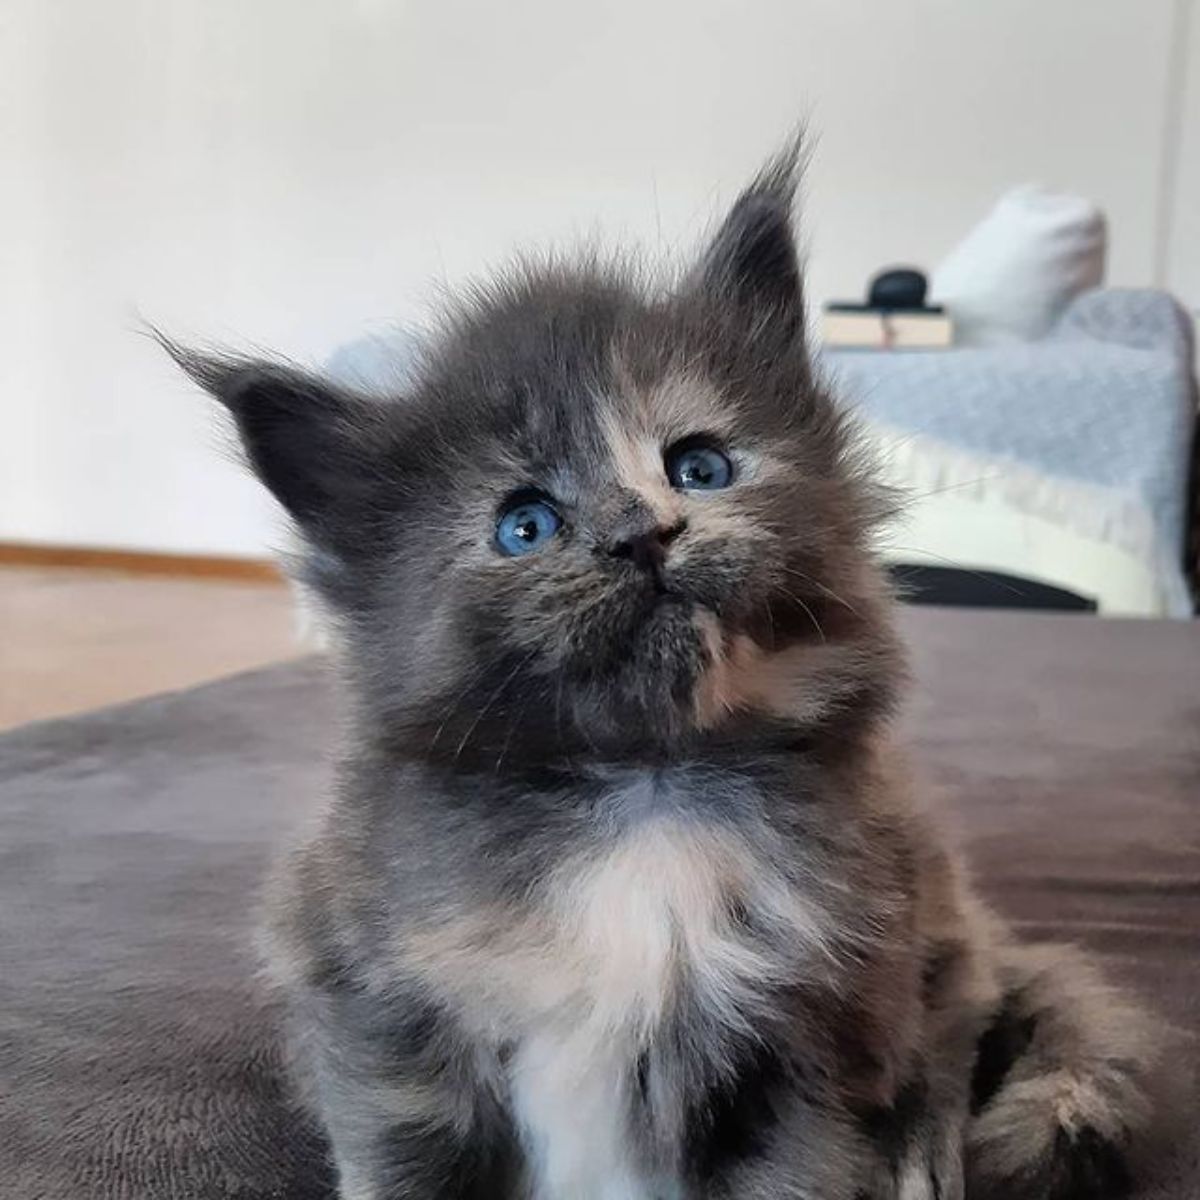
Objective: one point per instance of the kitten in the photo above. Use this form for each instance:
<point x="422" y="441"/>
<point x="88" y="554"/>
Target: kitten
<point x="621" y="894"/>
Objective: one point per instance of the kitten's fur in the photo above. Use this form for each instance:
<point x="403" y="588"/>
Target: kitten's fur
<point x="621" y="895"/>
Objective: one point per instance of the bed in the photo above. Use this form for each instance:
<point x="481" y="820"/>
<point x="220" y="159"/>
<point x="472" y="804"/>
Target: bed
<point x="138" y="1062"/>
<point x="1065" y="461"/>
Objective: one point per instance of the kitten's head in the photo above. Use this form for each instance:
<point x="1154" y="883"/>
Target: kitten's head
<point x="600" y="515"/>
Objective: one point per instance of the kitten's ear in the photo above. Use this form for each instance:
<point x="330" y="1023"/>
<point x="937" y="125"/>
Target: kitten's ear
<point x="753" y="262"/>
<point x="316" y="447"/>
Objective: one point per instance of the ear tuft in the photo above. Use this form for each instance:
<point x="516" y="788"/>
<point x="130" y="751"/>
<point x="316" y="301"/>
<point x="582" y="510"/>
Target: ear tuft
<point x="753" y="260"/>
<point x="315" y="446"/>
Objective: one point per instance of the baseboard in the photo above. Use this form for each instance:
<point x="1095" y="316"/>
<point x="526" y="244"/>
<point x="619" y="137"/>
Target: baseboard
<point x="140" y="562"/>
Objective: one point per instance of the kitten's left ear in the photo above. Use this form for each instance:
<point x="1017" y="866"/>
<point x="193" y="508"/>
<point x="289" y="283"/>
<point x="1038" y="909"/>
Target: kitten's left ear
<point x="319" y="449"/>
<point x="753" y="262"/>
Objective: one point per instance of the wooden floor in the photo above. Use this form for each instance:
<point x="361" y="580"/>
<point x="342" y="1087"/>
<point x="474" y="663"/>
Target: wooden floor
<point x="74" y="638"/>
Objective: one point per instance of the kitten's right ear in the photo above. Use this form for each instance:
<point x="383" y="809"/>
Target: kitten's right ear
<point x="753" y="265"/>
<point x="315" y="446"/>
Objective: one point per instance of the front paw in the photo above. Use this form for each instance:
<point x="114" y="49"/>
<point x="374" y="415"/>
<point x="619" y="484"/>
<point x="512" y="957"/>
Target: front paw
<point x="933" y="1168"/>
<point x="927" y="1166"/>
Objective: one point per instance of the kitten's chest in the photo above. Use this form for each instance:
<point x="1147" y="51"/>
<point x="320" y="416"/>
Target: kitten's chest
<point x="661" y="910"/>
<point x="656" y="899"/>
<point x="676" y="927"/>
<point x="637" y="932"/>
<point x="638" y="959"/>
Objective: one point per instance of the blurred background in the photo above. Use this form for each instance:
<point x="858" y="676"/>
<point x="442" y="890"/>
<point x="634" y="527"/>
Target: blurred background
<point x="298" y="176"/>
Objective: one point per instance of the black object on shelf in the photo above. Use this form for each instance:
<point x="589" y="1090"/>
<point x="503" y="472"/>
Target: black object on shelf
<point x="894" y="316"/>
<point x="900" y="287"/>
<point x="922" y="584"/>
<point x="896" y="290"/>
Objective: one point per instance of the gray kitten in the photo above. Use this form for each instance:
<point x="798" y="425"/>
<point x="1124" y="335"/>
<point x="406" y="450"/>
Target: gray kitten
<point x="622" y="894"/>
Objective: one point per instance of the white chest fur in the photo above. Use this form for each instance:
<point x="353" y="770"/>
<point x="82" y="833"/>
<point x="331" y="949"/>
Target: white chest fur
<point x="623" y="931"/>
<point x="579" y="981"/>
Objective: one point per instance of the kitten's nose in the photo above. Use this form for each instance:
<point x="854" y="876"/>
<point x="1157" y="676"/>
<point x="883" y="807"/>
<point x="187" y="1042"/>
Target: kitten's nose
<point x="647" y="547"/>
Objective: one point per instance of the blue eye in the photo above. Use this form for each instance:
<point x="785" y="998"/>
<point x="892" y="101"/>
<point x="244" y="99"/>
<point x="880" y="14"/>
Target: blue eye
<point x="698" y="468"/>
<point x="526" y="524"/>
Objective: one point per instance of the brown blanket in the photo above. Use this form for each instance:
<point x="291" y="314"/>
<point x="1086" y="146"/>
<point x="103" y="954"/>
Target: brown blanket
<point x="135" y="1063"/>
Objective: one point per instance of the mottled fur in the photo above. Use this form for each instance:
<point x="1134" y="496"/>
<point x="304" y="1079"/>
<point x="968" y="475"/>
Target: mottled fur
<point x="623" y="894"/>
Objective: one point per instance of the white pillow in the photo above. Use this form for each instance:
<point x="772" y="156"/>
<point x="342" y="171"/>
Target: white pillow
<point x="1014" y="273"/>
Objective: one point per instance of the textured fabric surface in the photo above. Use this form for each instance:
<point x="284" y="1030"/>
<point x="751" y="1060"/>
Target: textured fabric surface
<point x="986" y="513"/>
<point x="137" y="1063"/>
<point x="1107" y="400"/>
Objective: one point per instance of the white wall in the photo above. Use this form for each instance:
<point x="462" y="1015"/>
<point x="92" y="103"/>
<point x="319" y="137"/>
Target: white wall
<point x="1180" y="240"/>
<point x="293" y="172"/>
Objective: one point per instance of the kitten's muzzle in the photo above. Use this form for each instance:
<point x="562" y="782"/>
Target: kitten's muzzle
<point x="647" y="548"/>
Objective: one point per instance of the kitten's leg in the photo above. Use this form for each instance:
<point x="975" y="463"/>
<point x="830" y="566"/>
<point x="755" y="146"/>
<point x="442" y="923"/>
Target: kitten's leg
<point x="817" y="1154"/>
<point x="923" y="1133"/>
<point x="772" y="1130"/>
<point x="1060" y="1083"/>
<point x="386" y="1161"/>
<point x="406" y="1100"/>
<point x="916" y="1144"/>
<point x="807" y="1153"/>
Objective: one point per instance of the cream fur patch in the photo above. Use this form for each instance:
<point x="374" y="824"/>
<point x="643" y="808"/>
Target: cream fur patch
<point x="656" y="906"/>
<point x="641" y="423"/>
<point x="799" y="683"/>
<point x="582" y="980"/>
<point x="638" y="466"/>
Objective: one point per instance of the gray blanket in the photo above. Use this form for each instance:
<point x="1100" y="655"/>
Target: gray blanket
<point x="137" y="1062"/>
<point x="1107" y="399"/>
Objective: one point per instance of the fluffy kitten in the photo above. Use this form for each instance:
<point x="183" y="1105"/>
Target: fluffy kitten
<point x="621" y="895"/>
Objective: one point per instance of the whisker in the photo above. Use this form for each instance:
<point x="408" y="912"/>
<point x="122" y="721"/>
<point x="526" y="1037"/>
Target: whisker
<point x="558" y="699"/>
<point x="512" y="729"/>
<point x="466" y="737"/>
<point x="827" y="590"/>
<point x="454" y="705"/>
<point x="958" y="566"/>
<point x="909" y="500"/>
<point x="811" y="615"/>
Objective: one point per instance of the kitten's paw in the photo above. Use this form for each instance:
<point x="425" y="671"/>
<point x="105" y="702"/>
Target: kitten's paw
<point x="929" y="1166"/>
<point x="1021" y="1145"/>
<point x="933" y="1171"/>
